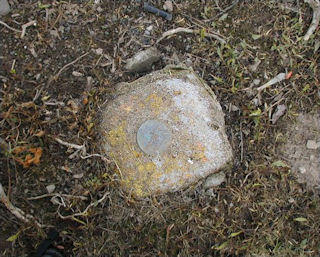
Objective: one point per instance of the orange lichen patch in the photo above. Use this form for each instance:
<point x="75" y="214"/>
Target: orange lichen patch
<point x="32" y="156"/>
<point x="85" y="101"/>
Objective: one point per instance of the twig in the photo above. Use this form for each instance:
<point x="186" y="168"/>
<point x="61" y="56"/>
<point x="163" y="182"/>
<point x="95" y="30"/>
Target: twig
<point x="55" y="77"/>
<point x="315" y="5"/>
<point x="20" y="214"/>
<point x="280" y="77"/>
<point x="83" y="213"/>
<point x="81" y="148"/>
<point x="8" y="27"/>
<point x="58" y="195"/>
<point x="241" y="143"/>
<point x="37" y="95"/>
<point x="25" y="26"/>
<point x="118" y="168"/>
<point x="227" y="8"/>
<point x="189" y="31"/>
<point x="96" y="155"/>
<point x="276" y="79"/>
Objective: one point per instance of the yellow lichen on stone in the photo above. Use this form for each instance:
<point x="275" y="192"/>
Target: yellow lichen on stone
<point x="170" y="165"/>
<point x="117" y="136"/>
<point x="140" y="168"/>
<point x="150" y="166"/>
<point x="199" y="153"/>
<point x="126" y="107"/>
<point x="155" y="102"/>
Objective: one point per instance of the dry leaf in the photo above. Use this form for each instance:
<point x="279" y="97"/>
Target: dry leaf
<point x="39" y="134"/>
<point x="85" y="101"/>
<point x="32" y="157"/>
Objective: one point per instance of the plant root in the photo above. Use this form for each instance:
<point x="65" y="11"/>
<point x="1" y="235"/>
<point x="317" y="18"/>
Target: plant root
<point x="20" y="214"/>
<point x="315" y="5"/>
<point x="189" y="31"/>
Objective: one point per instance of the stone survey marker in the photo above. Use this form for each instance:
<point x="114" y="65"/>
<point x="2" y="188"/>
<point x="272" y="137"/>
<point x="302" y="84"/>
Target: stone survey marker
<point x="165" y="131"/>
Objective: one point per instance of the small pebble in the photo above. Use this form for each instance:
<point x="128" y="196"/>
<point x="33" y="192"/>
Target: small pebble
<point x="50" y="188"/>
<point x="99" y="51"/>
<point x="150" y="28"/>
<point x="214" y="180"/>
<point x="168" y="6"/>
<point x="291" y="200"/>
<point x="302" y="170"/>
<point x="77" y="176"/>
<point x="99" y="9"/>
<point x="210" y="192"/>
<point x="312" y="144"/>
<point x="4" y="7"/>
<point x="77" y="74"/>
<point x="147" y="33"/>
<point x="234" y="108"/>
<point x="256" y="82"/>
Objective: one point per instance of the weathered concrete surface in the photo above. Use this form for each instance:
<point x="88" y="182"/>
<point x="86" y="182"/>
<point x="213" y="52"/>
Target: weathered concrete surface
<point x="186" y="111"/>
<point x="301" y="149"/>
<point x="4" y="7"/>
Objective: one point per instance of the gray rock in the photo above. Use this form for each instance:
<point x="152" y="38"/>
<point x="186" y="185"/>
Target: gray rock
<point x="143" y="60"/>
<point x="214" y="180"/>
<point x="165" y="131"/>
<point x="280" y="111"/>
<point x="4" y="7"/>
<point x="234" y="108"/>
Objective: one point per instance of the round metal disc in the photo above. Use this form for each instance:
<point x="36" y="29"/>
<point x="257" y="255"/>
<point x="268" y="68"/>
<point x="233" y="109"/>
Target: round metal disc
<point x="153" y="137"/>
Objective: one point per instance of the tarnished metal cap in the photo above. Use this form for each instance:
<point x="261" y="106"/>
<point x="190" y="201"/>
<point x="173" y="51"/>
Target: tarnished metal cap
<point x="153" y="137"/>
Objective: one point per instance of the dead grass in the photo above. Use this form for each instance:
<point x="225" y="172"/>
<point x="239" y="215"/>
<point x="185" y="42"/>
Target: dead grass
<point x="260" y="211"/>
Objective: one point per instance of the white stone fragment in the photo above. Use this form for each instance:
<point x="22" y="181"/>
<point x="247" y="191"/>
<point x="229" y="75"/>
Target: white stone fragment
<point x="99" y="51"/>
<point x="77" y="74"/>
<point x="168" y="6"/>
<point x="4" y="7"/>
<point x="50" y="188"/>
<point x="280" y="111"/>
<point x="312" y="145"/>
<point x="214" y="180"/>
<point x="256" y="82"/>
<point x="142" y="61"/>
<point x="302" y="170"/>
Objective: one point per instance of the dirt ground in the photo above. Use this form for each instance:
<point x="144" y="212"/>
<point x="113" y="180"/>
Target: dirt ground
<point x="56" y="77"/>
